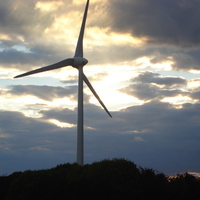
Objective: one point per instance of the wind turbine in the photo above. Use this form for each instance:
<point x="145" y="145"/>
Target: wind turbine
<point x="78" y="61"/>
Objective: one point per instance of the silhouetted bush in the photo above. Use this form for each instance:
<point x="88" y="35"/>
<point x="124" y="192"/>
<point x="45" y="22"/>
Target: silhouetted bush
<point x="108" y="179"/>
<point x="185" y="186"/>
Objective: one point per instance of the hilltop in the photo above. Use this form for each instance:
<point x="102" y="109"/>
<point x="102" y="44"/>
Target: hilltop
<point x="107" y="179"/>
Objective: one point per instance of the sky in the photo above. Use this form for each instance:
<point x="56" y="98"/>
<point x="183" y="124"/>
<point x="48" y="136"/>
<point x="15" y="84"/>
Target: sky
<point x="144" y="63"/>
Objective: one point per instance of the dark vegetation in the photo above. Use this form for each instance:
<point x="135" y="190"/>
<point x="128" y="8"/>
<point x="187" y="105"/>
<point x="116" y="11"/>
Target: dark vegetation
<point x="108" y="179"/>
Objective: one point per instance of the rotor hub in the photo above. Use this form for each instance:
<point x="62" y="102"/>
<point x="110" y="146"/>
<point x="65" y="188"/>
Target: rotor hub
<point x="79" y="62"/>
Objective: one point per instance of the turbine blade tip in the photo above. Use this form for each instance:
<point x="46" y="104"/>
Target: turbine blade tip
<point x="19" y="76"/>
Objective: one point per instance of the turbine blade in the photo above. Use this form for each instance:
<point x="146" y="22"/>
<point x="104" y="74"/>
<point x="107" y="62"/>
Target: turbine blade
<point x="60" y="64"/>
<point x="95" y="94"/>
<point x="79" y="47"/>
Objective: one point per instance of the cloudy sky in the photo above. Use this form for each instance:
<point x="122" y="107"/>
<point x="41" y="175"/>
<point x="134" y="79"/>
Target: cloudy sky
<point x="144" y="62"/>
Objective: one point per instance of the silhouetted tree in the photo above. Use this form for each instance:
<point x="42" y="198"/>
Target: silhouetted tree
<point x="5" y="182"/>
<point x="108" y="179"/>
<point x="185" y="186"/>
<point x="154" y="185"/>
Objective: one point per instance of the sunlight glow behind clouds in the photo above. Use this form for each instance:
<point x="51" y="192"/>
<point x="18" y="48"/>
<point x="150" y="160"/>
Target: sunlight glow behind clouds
<point x="30" y="105"/>
<point x="107" y="88"/>
<point x="194" y="84"/>
<point x="104" y="36"/>
<point x="62" y="124"/>
<point x="4" y="37"/>
<point x="145" y="62"/>
<point x="48" y="5"/>
<point x="178" y="100"/>
<point x="62" y="29"/>
<point x="64" y="102"/>
<point x="20" y="104"/>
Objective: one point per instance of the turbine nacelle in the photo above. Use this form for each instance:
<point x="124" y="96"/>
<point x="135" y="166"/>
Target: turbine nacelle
<point x="79" y="62"/>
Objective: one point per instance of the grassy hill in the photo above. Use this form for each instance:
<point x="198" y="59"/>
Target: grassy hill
<point x="108" y="179"/>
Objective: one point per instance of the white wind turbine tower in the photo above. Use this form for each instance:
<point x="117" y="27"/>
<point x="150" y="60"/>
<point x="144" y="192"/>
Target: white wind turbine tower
<point x="77" y="62"/>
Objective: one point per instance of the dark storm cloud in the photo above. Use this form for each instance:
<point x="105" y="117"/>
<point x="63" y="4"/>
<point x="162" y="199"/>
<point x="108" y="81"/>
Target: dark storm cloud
<point x="143" y="86"/>
<point x="186" y="60"/>
<point x="38" y="56"/>
<point x="91" y="112"/>
<point x="162" y="22"/>
<point x="60" y="114"/>
<point x="148" y="92"/>
<point x="150" y="77"/>
<point x="13" y="56"/>
<point x="20" y="18"/>
<point x="15" y="122"/>
<point x="195" y="94"/>
<point x="172" y="133"/>
<point x="170" y="25"/>
<point x="28" y="143"/>
<point x="24" y="25"/>
<point x="152" y="135"/>
<point x="30" y="25"/>
<point x="157" y="116"/>
<point x="171" y="29"/>
<point x="47" y="93"/>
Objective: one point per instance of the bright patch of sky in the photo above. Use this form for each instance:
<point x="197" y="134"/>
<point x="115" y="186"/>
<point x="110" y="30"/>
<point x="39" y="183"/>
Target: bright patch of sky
<point x="22" y="48"/>
<point x="61" y="124"/>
